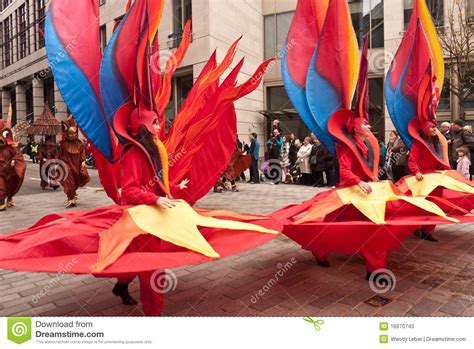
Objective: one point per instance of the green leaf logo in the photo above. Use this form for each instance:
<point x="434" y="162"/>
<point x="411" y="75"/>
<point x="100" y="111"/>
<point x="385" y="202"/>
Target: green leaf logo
<point x="19" y="329"/>
<point x="316" y="323"/>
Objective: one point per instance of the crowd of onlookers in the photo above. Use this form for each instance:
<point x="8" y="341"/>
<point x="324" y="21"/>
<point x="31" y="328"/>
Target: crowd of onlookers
<point x="291" y="160"/>
<point x="308" y="162"/>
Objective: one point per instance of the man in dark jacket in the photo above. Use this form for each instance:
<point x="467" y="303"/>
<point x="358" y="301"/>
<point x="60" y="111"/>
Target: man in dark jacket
<point x="317" y="161"/>
<point x="254" y="151"/>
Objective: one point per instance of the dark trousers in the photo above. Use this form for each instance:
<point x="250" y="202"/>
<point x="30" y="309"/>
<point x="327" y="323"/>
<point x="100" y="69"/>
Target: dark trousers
<point x="399" y="171"/>
<point x="330" y="177"/>
<point x="306" y="178"/>
<point x="254" y="176"/>
<point x="318" y="178"/>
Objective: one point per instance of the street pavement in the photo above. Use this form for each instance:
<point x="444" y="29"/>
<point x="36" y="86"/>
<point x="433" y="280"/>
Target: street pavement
<point x="276" y="279"/>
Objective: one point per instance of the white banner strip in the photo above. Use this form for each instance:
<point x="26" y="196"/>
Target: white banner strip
<point x="238" y="332"/>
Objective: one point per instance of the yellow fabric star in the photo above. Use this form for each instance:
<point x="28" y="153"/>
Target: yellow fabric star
<point x="433" y="180"/>
<point x="177" y="225"/>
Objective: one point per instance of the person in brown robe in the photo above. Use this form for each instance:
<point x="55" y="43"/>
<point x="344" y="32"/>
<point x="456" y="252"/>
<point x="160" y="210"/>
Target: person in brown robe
<point x="72" y="169"/>
<point x="12" y="167"/>
<point x="238" y="164"/>
<point x="46" y="153"/>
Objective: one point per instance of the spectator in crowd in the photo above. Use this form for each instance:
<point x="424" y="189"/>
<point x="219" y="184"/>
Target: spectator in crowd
<point x="279" y="141"/>
<point x="295" y="172"/>
<point x="285" y="158"/>
<point x="317" y="162"/>
<point x="330" y="168"/>
<point x="445" y="130"/>
<point x="240" y="146"/>
<point x="389" y="160"/>
<point x="276" y="126"/>
<point x="274" y="170"/>
<point x="293" y="151"/>
<point x="399" y="159"/>
<point x="383" y="155"/>
<point x="468" y="128"/>
<point x="464" y="162"/>
<point x="460" y="138"/>
<point x="254" y="150"/>
<point x="304" y="154"/>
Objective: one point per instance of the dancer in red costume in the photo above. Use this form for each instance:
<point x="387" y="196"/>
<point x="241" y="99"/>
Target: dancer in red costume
<point x="12" y="167"/>
<point x="363" y="215"/>
<point x="143" y="182"/>
<point x="144" y="170"/>
<point x="420" y="163"/>
<point x="413" y="87"/>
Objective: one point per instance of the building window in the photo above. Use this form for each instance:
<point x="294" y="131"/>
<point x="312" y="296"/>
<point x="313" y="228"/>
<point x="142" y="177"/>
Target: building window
<point x="22" y="32"/>
<point x="276" y="30"/>
<point x="376" y="106"/>
<point x="7" y="42"/>
<point x="103" y="38"/>
<point x="367" y="17"/>
<point x="445" y="96"/>
<point x="470" y="11"/>
<point x="182" y="11"/>
<point x="4" y="4"/>
<point x="40" y="17"/>
<point x="181" y="85"/>
<point x="436" y="8"/>
<point x="469" y="92"/>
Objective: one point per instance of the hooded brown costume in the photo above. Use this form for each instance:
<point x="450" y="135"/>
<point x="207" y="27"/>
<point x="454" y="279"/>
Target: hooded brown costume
<point x="73" y="153"/>
<point x="46" y="153"/>
<point x="12" y="167"/>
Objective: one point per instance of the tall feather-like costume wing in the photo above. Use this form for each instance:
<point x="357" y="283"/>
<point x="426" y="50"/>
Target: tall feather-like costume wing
<point x="303" y="36"/>
<point x="332" y="74"/>
<point x="419" y="48"/>
<point x="73" y="49"/>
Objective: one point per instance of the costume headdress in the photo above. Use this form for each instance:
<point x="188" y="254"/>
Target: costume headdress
<point x="6" y="134"/>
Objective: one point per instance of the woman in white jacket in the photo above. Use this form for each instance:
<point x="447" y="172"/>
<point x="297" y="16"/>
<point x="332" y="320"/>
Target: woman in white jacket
<point x="303" y="160"/>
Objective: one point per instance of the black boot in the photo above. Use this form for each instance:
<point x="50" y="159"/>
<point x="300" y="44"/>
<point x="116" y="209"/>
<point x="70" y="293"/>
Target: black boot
<point x="321" y="263"/>
<point x="121" y="290"/>
<point x="428" y="237"/>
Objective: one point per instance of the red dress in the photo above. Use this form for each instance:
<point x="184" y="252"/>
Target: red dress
<point x="350" y="170"/>
<point x="142" y="186"/>
<point x="418" y="161"/>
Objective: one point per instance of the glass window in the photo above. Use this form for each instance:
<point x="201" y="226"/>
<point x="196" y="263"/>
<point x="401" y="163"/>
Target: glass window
<point x="276" y="28"/>
<point x="470" y="10"/>
<point x="7" y="42"/>
<point x="182" y="11"/>
<point x="103" y="38"/>
<point x="278" y="98"/>
<point x="180" y="85"/>
<point x="436" y="8"/>
<point x="41" y="8"/>
<point x="445" y="97"/>
<point x="283" y="22"/>
<point x="376" y="106"/>
<point x="270" y="40"/>
<point x="22" y="32"/>
<point x="367" y="17"/>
